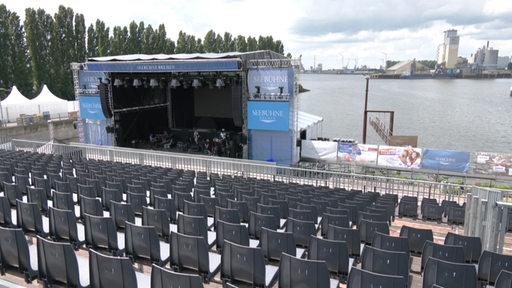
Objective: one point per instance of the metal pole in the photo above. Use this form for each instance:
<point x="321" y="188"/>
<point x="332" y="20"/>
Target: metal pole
<point x="365" y="109"/>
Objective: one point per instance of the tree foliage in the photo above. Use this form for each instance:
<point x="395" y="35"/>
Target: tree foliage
<point x="39" y="51"/>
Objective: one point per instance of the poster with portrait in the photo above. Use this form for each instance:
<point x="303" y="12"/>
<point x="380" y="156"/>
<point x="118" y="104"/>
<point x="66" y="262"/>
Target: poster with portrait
<point x="492" y="163"/>
<point x="399" y="157"/>
<point x="362" y="154"/>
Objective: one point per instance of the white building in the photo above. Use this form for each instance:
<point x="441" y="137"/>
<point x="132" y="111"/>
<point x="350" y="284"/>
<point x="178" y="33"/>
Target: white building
<point x="448" y="51"/>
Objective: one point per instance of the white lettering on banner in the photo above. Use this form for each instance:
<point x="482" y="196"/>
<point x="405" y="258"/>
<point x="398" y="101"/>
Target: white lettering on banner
<point x="270" y="78"/>
<point x="267" y="115"/>
<point x="156" y="67"/>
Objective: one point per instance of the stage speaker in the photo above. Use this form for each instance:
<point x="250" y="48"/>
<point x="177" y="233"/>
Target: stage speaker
<point x="236" y="104"/>
<point x="105" y="100"/>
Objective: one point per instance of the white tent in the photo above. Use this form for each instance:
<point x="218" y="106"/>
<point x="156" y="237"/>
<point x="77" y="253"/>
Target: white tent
<point x="46" y="101"/>
<point x="14" y="105"/>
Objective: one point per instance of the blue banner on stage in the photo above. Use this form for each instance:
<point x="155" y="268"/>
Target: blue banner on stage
<point x="90" y="79"/>
<point x="446" y="160"/>
<point x="90" y="107"/>
<point x="268" y="115"/>
<point x="166" y="66"/>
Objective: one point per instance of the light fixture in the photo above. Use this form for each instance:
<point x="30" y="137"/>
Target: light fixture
<point x="196" y="83"/>
<point x="153" y="83"/>
<point x="118" y="82"/>
<point x="219" y="83"/>
<point x="174" y="83"/>
<point x="136" y="82"/>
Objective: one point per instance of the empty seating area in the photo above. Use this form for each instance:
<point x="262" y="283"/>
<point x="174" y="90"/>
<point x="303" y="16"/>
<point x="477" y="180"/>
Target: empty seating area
<point x="70" y="221"/>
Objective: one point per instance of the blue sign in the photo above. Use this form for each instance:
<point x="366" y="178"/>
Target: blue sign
<point x="445" y="160"/>
<point x="90" y="107"/>
<point x="90" y="80"/>
<point x="268" y="115"/>
<point x="165" y="66"/>
<point x="270" y="81"/>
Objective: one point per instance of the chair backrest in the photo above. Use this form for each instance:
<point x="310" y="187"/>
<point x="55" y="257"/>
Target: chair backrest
<point x="161" y="277"/>
<point x="100" y="232"/>
<point x="5" y="212"/>
<point x="391" y="243"/>
<point x="12" y="192"/>
<point x="188" y="251"/>
<point x="121" y="213"/>
<point x="504" y="279"/>
<point x="38" y="195"/>
<point x="168" y="205"/>
<point x="472" y="245"/>
<point x="490" y="264"/>
<point x="349" y="235"/>
<point x="297" y="272"/>
<point x="304" y="215"/>
<point x="449" y="274"/>
<point x="367" y="229"/>
<point x="106" y="271"/>
<point x="137" y="201"/>
<point x="333" y="252"/>
<point x="242" y="207"/>
<point x="235" y="233"/>
<point x="302" y="230"/>
<point x="258" y="221"/>
<point x="417" y="237"/>
<point x="195" y="209"/>
<point x="108" y="194"/>
<point x="385" y="262"/>
<point x="452" y="253"/>
<point x="333" y="219"/>
<point x="57" y="263"/>
<point x="141" y="242"/>
<point x="283" y="206"/>
<point x="91" y="206"/>
<point x="158" y="219"/>
<point x="226" y="214"/>
<point x="63" y="226"/>
<point x="359" y="278"/>
<point x="243" y="263"/>
<point x="192" y="225"/>
<point x="269" y="210"/>
<point x="273" y="243"/>
<point x="29" y="218"/>
<point x="63" y="200"/>
<point x="87" y="191"/>
<point x="14" y="252"/>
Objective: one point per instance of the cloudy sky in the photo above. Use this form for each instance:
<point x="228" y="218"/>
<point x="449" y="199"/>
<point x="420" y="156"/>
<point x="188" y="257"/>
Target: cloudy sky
<point x="331" y="32"/>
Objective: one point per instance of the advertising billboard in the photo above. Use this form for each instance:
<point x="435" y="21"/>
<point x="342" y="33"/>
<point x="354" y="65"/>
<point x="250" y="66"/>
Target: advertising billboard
<point x="266" y="115"/>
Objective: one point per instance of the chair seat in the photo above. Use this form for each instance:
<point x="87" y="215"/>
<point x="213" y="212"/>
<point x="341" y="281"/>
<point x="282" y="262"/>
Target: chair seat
<point x="143" y="280"/>
<point x="270" y="274"/>
<point x="32" y="251"/>
<point x="83" y="267"/>
<point x="215" y="260"/>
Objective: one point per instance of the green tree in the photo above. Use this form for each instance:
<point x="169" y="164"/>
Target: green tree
<point x="5" y="75"/>
<point x="209" y="43"/>
<point x="241" y="44"/>
<point x="38" y="30"/>
<point x="119" y="40"/>
<point x="134" y="38"/>
<point x="62" y="45"/>
<point x="14" y="61"/>
<point x="229" y="44"/>
<point x="92" y="42"/>
<point x="252" y="44"/>
<point x="102" y="38"/>
<point x="80" y="51"/>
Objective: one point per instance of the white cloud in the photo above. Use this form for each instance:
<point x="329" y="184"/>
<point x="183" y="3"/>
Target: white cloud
<point x="322" y="31"/>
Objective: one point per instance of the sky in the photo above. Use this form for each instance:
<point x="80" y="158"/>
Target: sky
<point x="334" y="33"/>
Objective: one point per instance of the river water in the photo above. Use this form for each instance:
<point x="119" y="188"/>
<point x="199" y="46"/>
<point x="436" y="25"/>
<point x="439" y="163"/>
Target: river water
<point x="453" y="114"/>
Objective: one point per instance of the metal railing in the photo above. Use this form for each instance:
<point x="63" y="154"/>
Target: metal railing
<point x="254" y="169"/>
